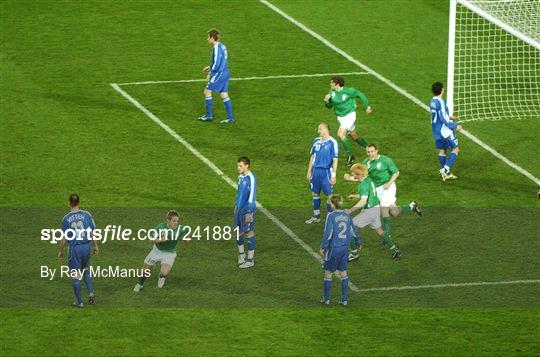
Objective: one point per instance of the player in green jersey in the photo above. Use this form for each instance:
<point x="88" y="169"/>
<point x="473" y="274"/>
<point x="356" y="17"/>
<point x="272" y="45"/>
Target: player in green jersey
<point x="164" y="249"/>
<point x="371" y="210"/>
<point x="384" y="173"/>
<point x="343" y="101"/>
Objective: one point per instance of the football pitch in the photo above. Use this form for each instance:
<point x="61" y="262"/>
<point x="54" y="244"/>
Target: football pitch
<point x="101" y="98"/>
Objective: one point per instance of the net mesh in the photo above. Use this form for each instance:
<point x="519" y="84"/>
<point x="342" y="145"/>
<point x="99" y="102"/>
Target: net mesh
<point x="496" y="74"/>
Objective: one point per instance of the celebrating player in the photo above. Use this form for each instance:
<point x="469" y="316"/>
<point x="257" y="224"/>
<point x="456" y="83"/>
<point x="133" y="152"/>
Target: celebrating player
<point x="370" y="205"/>
<point x="80" y="225"/>
<point x="338" y="231"/>
<point x="164" y="249"/>
<point x="443" y="129"/>
<point x="322" y="169"/>
<point x="218" y="78"/>
<point x="384" y="173"/>
<point x="342" y="99"/>
<point x="244" y="212"/>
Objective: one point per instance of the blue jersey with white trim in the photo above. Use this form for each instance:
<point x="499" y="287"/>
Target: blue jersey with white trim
<point x="339" y="230"/>
<point x="219" y="59"/>
<point x="324" y="152"/>
<point x="79" y="221"/>
<point x="442" y="126"/>
<point x="247" y="192"/>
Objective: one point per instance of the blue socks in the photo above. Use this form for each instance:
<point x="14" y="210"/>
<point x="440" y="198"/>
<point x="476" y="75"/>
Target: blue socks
<point x="344" y="288"/>
<point x="208" y="104"/>
<point x="251" y="243"/>
<point x="88" y="282"/>
<point x="328" y="207"/>
<point x="442" y="160"/>
<point x="240" y="240"/>
<point x="76" y="283"/>
<point x="228" y="107"/>
<point x="450" y="161"/>
<point x="317" y="206"/>
<point x="327" y="287"/>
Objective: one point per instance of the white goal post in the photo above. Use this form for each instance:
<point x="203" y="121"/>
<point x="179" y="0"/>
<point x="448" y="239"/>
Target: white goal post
<point x="494" y="59"/>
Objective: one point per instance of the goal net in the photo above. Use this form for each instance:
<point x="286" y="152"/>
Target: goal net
<point x="494" y="59"/>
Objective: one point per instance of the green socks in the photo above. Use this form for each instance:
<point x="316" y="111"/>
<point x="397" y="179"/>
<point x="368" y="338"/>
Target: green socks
<point x="405" y="208"/>
<point x="387" y="225"/>
<point x="387" y="237"/>
<point x="142" y="279"/>
<point x="346" y="146"/>
<point x="362" y="142"/>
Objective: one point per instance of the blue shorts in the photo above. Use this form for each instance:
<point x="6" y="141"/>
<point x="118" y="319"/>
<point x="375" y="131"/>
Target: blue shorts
<point x="320" y="181"/>
<point x="240" y="221"/>
<point x="336" y="259"/>
<point x="447" y="144"/>
<point x="79" y="256"/>
<point x="219" y="82"/>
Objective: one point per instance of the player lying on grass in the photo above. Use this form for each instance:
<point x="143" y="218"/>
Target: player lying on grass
<point x="244" y="212"/>
<point x="370" y="205"/>
<point x="218" y="78"/>
<point x="384" y="173"/>
<point x="339" y="231"/>
<point x="322" y="168"/>
<point x="164" y="249"/>
<point x="343" y="100"/>
<point x="444" y="131"/>
<point x="79" y="222"/>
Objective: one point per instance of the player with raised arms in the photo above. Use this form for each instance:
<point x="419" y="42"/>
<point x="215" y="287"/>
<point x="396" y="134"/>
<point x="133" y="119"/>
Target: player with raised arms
<point x="163" y="250"/>
<point x="339" y="232"/>
<point x="244" y="212"/>
<point x="384" y="173"/>
<point x="218" y="78"/>
<point x="322" y="168"/>
<point x="80" y="224"/>
<point x="370" y="205"/>
<point x="444" y="129"/>
<point x="343" y="100"/>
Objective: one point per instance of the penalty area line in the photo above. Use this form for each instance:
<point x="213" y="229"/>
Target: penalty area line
<point x="450" y="285"/>
<point x="220" y="173"/>
<point x="284" y="76"/>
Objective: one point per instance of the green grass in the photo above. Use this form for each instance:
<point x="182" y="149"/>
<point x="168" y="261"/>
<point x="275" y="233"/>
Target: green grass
<point x="65" y="129"/>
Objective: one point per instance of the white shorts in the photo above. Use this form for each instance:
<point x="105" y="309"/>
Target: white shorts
<point x="348" y="121"/>
<point x="157" y="255"/>
<point x="387" y="197"/>
<point x="368" y="216"/>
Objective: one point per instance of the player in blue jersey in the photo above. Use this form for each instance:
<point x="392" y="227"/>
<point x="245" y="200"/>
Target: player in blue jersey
<point x="338" y="232"/>
<point x="218" y="78"/>
<point x="322" y="167"/>
<point x="77" y="226"/>
<point x="444" y="130"/>
<point x="244" y="212"/>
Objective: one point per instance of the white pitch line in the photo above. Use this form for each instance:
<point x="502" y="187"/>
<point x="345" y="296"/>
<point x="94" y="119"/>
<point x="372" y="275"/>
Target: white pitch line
<point x="397" y="89"/>
<point x="220" y="173"/>
<point x="451" y="285"/>
<point x="247" y="78"/>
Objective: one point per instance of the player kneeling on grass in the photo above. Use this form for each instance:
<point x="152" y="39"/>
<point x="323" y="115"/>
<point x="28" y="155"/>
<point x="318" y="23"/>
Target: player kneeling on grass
<point x="244" y="212"/>
<point x="370" y="205"/>
<point x="322" y="167"/>
<point x="338" y="232"/>
<point x="164" y="249"/>
<point x="384" y="173"/>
